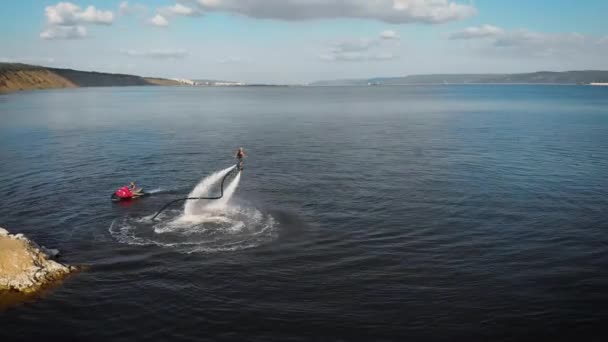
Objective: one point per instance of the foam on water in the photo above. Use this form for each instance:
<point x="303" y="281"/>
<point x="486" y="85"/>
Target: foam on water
<point x="203" y="225"/>
<point x="238" y="227"/>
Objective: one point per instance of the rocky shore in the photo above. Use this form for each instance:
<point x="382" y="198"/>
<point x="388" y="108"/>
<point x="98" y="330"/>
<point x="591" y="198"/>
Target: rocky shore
<point x="27" y="267"/>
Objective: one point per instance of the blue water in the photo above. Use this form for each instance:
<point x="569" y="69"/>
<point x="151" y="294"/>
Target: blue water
<point x="363" y="213"/>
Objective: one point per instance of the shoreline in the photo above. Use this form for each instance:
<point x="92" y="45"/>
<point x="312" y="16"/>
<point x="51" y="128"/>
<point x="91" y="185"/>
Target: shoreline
<point x="27" y="269"/>
<point x="6" y="92"/>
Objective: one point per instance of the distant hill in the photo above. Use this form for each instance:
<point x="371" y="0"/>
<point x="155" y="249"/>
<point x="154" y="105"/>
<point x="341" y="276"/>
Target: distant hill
<point x="162" y="81"/>
<point x="541" y="77"/>
<point x="17" y="76"/>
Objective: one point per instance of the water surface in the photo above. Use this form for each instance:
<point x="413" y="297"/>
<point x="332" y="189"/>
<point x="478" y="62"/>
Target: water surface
<point x="363" y="213"/>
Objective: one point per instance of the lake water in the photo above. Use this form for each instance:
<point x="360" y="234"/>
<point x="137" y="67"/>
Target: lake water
<point x="363" y="213"/>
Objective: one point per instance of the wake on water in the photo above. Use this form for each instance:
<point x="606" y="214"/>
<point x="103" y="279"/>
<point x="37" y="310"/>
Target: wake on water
<point x="155" y="191"/>
<point x="203" y="225"/>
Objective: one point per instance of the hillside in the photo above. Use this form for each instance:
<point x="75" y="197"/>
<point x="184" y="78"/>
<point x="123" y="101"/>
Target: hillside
<point x="16" y="76"/>
<point x="161" y="81"/>
<point x="541" y="77"/>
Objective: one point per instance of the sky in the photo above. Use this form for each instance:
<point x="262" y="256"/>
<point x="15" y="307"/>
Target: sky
<point x="301" y="41"/>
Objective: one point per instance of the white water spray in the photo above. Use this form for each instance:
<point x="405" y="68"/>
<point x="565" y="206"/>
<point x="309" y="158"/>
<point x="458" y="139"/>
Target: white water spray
<point x="203" y="188"/>
<point x="228" y="192"/>
<point x="205" y="225"/>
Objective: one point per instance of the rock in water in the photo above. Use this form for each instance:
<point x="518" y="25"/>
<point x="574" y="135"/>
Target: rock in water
<point x="25" y="266"/>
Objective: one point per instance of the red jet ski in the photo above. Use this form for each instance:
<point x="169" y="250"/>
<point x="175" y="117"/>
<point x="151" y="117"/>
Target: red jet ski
<point x="125" y="194"/>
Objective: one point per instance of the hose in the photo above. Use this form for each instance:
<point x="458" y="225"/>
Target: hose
<point x="198" y="198"/>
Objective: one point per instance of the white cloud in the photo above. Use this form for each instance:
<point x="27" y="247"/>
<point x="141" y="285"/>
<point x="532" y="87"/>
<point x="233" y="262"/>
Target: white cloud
<point x="69" y="14"/>
<point x="357" y="56"/>
<point x="484" y="31"/>
<point x="389" y="34"/>
<point x="520" y="37"/>
<point x="65" y="20"/>
<point x="64" y="32"/>
<point x="92" y="15"/>
<point x="434" y="11"/>
<point x="179" y="9"/>
<point x="362" y="44"/>
<point x="362" y="49"/>
<point x="603" y="41"/>
<point x="529" y="38"/>
<point x="157" y="53"/>
<point x="524" y="42"/>
<point x="124" y="8"/>
<point x="163" y="13"/>
<point x="159" y="20"/>
<point x="136" y="9"/>
<point x="392" y="11"/>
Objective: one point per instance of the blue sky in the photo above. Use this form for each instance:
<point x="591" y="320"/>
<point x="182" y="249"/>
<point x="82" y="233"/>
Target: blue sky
<point x="299" y="41"/>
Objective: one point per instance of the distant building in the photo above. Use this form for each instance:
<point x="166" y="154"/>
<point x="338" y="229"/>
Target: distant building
<point x="185" y="81"/>
<point x="220" y="84"/>
<point x="598" y="84"/>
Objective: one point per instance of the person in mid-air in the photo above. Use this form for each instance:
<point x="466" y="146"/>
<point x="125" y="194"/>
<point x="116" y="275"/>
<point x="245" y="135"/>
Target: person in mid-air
<point x="240" y="154"/>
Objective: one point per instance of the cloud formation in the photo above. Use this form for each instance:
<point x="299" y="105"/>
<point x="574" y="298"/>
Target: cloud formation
<point x="357" y="56"/>
<point x="527" y="38"/>
<point x="180" y="9"/>
<point x="391" y="11"/>
<point x="159" y="20"/>
<point x="163" y="14"/>
<point x="484" y="31"/>
<point x="157" y="53"/>
<point x="524" y="42"/>
<point x="389" y="34"/>
<point x="67" y="13"/>
<point x="136" y="9"/>
<point x="64" y="32"/>
<point x="65" y="20"/>
<point x="362" y="49"/>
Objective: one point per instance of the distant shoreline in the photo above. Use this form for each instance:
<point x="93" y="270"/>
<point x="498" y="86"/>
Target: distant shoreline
<point x="451" y="84"/>
<point x="576" y="77"/>
<point x="18" y="77"/>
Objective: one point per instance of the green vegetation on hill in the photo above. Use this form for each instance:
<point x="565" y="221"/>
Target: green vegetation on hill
<point x="99" y="79"/>
<point x="17" y="76"/>
<point x="161" y="81"/>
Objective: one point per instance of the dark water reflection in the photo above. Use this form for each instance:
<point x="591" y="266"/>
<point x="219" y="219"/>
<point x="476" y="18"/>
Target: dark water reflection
<point x="424" y="213"/>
